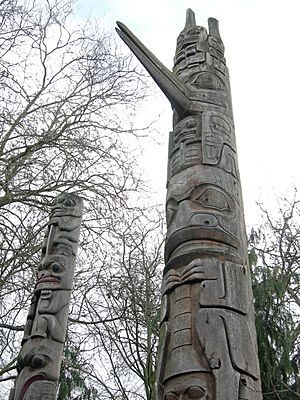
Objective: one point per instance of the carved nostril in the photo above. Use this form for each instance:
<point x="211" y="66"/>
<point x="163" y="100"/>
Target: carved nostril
<point x="207" y="220"/>
<point x="42" y="274"/>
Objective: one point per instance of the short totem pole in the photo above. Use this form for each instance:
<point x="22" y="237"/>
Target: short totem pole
<point x="39" y="360"/>
<point x="208" y="344"/>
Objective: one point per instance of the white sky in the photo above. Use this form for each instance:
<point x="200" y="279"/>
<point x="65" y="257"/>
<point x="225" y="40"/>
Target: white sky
<point x="261" y="40"/>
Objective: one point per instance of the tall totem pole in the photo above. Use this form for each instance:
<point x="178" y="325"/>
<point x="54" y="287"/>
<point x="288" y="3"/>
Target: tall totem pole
<point x="207" y="340"/>
<point x="39" y="360"/>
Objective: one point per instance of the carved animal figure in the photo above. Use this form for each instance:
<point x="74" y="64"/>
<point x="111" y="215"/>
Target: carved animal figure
<point x="207" y="339"/>
<point x="40" y="357"/>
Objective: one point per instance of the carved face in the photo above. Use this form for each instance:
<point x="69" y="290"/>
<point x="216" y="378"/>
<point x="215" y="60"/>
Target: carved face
<point x="208" y="88"/>
<point x="64" y="225"/>
<point x="55" y="272"/>
<point x="189" y="42"/>
<point x="201" y="208"/>
<point x="66" y="204"/>
<point x="185" y="145"/>
<point x="38" y="359"/>
<point x="195" y="386"/>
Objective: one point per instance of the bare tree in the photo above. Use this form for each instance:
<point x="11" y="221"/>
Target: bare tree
<point x="63" y="90"/>
<point x="117" y="309"/>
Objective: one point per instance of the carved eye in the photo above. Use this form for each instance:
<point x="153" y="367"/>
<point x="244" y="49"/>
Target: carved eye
<point x="38" y="361"/>
<point x="207" y="80"/>
<point x="171" y="396"/>
<point x="69" y="202"/>
<point x="57" y="268"/>
<point x="194" y="31"/>
<point x="195" y="392"/>
<point x="213" y="198"/>
<point x="171" y="209"/>
<point x="191" y="124"/>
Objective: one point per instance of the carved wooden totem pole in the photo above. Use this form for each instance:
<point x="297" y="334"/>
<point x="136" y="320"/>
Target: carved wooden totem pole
<point x="40" y="357"/>
<point x="208" y="341"/>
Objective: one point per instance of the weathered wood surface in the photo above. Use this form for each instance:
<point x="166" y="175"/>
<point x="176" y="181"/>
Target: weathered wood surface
<point x="207" y="341"/>
<point x="39" y="360"/>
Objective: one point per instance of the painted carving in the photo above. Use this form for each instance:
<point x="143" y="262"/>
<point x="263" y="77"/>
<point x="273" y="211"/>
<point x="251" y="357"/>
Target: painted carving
<point x="41" y="391"/>
<point x="207" y="341"/>
<point x="39" y="360"/>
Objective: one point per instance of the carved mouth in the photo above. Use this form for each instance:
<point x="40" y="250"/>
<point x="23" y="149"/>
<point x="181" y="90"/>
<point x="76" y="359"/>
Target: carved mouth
<point x="188" y="251"/>
<point x="48" y="282"/>
<point x="61" y="211"/>
<point x="195" y="239"/>
<point x="48" y="279"/>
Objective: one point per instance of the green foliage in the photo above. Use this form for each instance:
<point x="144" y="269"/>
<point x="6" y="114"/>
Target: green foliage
<point x="73" y="384"/>
<point x="274" y="265"/>
<point x="275" y="330"/>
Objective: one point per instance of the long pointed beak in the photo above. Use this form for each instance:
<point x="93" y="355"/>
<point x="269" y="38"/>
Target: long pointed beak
<point x="173" y="89"/>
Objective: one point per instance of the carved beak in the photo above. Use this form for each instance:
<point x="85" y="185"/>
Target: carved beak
<point x="173" y="89"/>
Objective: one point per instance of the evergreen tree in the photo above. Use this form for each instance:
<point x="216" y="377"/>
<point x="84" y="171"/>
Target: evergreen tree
<point x="274" y="253"/>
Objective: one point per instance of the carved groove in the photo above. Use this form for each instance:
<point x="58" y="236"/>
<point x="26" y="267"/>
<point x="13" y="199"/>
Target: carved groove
<point x="206" y="278"/>
<point x="39" y="360"/>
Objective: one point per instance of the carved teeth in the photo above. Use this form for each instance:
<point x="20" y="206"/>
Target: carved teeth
<point x="46" y="294"/>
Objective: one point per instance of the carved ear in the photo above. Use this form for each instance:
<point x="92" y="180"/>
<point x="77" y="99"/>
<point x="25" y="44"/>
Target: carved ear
<point x="213" y="27"/>
<point x="190" y="19"/>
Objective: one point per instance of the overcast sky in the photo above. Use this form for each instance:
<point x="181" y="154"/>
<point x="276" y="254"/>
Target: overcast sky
<point x="261" y="39"/>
